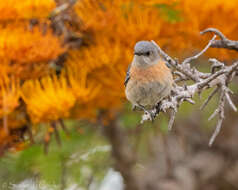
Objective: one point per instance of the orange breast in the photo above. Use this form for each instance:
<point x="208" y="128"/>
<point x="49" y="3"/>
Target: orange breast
<point x="159" y="72"/>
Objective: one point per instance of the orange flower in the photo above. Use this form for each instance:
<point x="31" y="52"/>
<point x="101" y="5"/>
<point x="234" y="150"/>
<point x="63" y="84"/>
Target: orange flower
<point x="48" y="99"/>
<point x="83" y="91"/>
<point x="9" y="95"/>
<point x="19" y="44"/>
<point x="102" y="71"/>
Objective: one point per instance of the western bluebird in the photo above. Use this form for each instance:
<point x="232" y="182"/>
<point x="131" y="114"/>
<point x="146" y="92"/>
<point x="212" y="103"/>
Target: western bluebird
<point x="148" y="79"/>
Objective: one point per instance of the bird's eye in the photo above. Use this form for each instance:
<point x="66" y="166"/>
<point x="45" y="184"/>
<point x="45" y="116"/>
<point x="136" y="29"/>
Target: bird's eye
<point x="147" y="53"/>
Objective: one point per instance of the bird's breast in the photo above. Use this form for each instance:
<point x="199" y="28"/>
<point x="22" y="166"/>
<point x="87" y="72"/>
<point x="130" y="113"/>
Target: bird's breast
<point x="147" y="86"/>
<point x="157" y="71"/>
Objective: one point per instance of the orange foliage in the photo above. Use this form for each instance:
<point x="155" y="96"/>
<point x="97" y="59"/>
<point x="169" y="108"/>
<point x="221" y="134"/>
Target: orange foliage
<point x="19" y="44"/>
<point x="175" y="25"/>
<point x="11" y="121"/>
<point x="26" y="52"/>
<point x="48" y="99"/>
<point x="27" y="9"/>
<point x="199" y="15"/>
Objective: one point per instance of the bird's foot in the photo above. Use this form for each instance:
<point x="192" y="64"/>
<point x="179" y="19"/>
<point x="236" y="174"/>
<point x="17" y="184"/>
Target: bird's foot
<point x="151" y="114"/>
<point x="148" y="115"/>
<point x="158" y="108"/>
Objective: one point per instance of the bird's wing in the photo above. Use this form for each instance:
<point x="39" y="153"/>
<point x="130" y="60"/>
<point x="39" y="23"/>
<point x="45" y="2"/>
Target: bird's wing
<point x="127" y="75"/>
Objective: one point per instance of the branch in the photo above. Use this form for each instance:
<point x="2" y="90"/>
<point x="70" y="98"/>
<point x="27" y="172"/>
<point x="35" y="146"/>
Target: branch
<point x="220" y="77"/>
<point x="220" y="111"/>
<point x="224" y="42"/>
<point x="209" y="98"/>
<point x="215" y="31"/>
<point x="188" y="60"/>
<point x="62" y="7"/>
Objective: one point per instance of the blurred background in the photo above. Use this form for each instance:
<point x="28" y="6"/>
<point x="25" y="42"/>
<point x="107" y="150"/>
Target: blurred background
<point x="64" y="121"/>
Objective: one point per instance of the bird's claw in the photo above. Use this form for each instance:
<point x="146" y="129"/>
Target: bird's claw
<point x="158" y="107"/>
<point x="151" y="115"/>
<point x="148" y="115"/>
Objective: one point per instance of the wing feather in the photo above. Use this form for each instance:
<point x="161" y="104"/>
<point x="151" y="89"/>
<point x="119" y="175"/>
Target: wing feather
<point x="127" y="75"/>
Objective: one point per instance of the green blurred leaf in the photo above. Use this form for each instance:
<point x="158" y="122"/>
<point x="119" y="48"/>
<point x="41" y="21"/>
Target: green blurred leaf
<point x="169" y="12"/>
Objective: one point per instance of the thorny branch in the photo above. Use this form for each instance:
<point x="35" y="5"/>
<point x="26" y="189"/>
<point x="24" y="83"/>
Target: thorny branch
<point x="219" y="78"/>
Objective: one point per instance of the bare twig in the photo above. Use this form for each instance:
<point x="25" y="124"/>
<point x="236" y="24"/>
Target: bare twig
<point x="228" y="98"/>
<point x="215" y="31"/>
<point x="61" y="123"/>
<point x="171" y="120"/>
<point x="57" y="136"/>
<point x="188" y="60"/>
<point x="62" y="7"/>
<point x="224" y="42"/>
<point x="220" y="111"/>
<point x="209" y="98"/>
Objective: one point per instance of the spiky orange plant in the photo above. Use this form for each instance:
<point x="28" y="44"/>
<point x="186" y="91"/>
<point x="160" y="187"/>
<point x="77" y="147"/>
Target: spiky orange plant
<point x="27" y="46"/>
<point x="48" y="99"/>
<point x="20" y="44"/>
<point x="27" y="9"/>
<point x="9" y="88"/>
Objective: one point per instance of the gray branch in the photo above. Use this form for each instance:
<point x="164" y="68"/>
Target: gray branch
<point x="223" y="42"/>
<point x="188" y="60"/>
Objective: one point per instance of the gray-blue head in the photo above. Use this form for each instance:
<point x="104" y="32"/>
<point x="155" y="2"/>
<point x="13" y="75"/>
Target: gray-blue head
<point x="145" y="53"/>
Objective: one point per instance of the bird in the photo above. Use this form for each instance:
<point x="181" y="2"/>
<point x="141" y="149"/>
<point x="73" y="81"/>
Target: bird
<point x="148" y="78"/>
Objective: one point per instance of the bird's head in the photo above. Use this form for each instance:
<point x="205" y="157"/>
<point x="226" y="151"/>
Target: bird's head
<point x="145" y="54"/>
